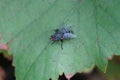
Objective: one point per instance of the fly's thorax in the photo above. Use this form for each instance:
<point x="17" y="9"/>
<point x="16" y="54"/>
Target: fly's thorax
<point x="58" y="37"/>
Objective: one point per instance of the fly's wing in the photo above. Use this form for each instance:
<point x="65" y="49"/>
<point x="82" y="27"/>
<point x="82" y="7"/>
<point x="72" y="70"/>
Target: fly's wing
<point x="66" y="29"/>
<point x="68" y="26"/>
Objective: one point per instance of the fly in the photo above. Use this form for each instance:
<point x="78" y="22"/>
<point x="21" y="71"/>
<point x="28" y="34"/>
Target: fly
<point x="62" y="34"/>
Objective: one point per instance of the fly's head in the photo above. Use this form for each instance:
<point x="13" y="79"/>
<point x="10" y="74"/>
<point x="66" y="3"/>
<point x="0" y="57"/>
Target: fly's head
<point x="56" y="37"/>
<point x="52" y="38"/>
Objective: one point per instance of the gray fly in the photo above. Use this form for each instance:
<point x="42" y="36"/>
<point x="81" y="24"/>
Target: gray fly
<point x="63" y="33"/>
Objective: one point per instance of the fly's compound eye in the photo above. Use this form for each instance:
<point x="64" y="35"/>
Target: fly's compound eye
<point x="52" y="38"/>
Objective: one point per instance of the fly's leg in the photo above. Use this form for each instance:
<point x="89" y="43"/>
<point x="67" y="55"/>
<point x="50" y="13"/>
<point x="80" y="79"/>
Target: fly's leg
<point x="61" y="44"/>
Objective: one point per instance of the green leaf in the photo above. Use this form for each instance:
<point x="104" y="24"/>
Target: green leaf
<point x="27" y="25"/>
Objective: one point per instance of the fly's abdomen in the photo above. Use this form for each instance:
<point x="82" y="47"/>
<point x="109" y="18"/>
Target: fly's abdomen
<point x="69" y="36"/>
